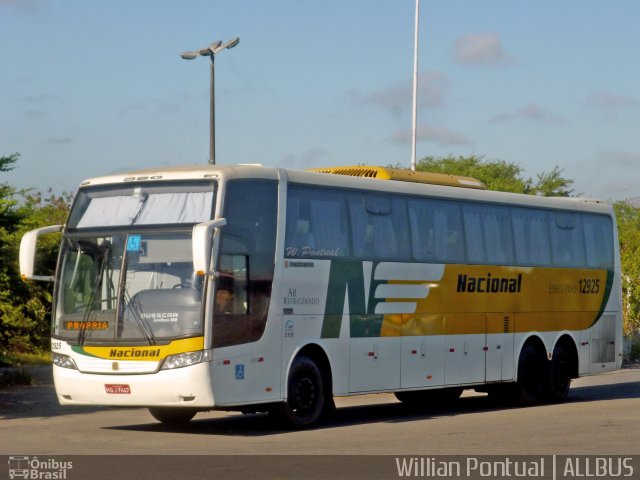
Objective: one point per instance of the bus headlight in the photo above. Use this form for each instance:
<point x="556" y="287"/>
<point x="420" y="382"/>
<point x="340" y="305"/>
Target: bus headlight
<point x="185" y="359"/>
<point x="64" y="361"/>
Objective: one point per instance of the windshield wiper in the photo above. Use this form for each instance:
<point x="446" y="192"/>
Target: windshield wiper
<point x="92" y="300"/>
<point x="134" y="308"/>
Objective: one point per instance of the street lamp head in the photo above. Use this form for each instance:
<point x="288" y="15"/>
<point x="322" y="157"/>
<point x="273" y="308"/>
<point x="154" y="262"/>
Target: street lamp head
<point x="210" y="52"/>
<point x="232" y="43"/>
<point x="189" y="55"/>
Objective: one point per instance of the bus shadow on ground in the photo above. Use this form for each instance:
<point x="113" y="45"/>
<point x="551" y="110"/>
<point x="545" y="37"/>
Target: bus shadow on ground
<point x="36" y="401"/>
<point x="391" y="412"/>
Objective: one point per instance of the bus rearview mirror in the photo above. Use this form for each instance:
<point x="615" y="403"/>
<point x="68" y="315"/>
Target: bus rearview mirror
<point x="28" y="252"/>
<point x="201" y="242"/>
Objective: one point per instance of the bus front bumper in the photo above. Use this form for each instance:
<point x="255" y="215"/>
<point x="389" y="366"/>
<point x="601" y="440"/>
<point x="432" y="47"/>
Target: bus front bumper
<point x="181" y="387"/>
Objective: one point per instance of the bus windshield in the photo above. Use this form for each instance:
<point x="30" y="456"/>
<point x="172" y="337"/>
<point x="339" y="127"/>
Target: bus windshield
<point x="129" y="287"/>
<point x="126" y="270"/>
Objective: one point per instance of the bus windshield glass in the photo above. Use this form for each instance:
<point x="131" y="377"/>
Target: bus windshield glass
<point x="126" y="269"/>
<point x="129" y="287"/>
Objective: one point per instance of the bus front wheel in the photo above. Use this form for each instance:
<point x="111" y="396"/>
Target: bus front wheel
<point x="172" y="416"/>
<point x="305" y="395"/>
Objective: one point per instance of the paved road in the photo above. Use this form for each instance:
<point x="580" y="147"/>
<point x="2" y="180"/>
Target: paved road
<point x="601" y="417"/>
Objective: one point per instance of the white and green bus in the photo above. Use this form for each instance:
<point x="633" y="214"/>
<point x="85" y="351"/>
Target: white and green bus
<point x="262" y="289"/>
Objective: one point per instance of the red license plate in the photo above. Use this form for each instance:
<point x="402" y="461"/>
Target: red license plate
<point x="118" y="389"/>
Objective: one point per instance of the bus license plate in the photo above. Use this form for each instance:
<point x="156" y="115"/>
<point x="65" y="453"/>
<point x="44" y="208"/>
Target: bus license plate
<point x="117" y="389"/>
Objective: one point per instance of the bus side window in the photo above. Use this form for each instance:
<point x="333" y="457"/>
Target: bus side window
<point x="436" y="230"/>
<point x="231" y="291"/>
<point x="317" y="224"/>
<point x="379" y="227"/>
<point x="567" y="240"/>
<point x="488" y="234"/>
<point x="598" y="241"/>
<point x="246" y="262"/>
<point x="531" y="235"/>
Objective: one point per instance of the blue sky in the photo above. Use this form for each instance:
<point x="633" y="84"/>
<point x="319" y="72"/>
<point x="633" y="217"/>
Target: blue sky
<point x="95" y="87"/>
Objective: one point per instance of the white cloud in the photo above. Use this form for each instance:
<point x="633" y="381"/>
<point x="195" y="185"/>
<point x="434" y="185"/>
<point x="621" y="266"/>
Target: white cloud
<point x="482" y="49"/>
<point x="151" y="106"/>
<point x="528" y="112"/>
<point x="611" y="101"/>
<point x="59" y="141"/>
<point x="25" y="6"/>
<point x="620" y="158"/>
<point x="41" y="98"/>
<point x="432" y="87"/>
<point x="440" y="135"/>
<point x="35" y="114"/>
<point x="309" y="157"/>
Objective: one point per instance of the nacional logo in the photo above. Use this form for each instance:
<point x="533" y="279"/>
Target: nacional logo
<point x="133" y="353"/>
<point x="489" y="284"/>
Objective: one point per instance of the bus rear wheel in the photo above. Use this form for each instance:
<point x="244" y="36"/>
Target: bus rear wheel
<point x="305" y="395"/>
<point x="172" y="416"/>
<point x="559" y="376"/>
<point x="532" y="377"/>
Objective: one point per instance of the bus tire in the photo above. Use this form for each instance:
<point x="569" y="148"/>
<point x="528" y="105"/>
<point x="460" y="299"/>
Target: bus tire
<point x="559" y="376"/>
<point x="305" y="395"/>
<point x="172" y="415"/>
<point x="412" y="399"/>
<point x="532" y="377"/>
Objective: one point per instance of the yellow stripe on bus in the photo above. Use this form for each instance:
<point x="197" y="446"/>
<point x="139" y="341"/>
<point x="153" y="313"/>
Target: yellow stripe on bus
<point x="477" y="299"/>
<point x="146" y="352"/>
<point x="479" y="323"/>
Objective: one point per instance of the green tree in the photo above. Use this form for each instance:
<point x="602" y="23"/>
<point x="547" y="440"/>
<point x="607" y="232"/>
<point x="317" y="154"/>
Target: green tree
<point x="10" y="290"/>
<point x="628" y="217"/>
<point x="500" y="175"/>
<point x="25" y="306"/>
<point x="9" y="217"/>
<point x="552" y="184"/>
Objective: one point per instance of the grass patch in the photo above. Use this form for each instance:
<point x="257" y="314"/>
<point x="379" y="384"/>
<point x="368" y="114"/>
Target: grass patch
<point x="11" y="359"/>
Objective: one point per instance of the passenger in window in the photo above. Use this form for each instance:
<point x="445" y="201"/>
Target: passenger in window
<point x="304" y="238"/>
<point x="224" y="300"/>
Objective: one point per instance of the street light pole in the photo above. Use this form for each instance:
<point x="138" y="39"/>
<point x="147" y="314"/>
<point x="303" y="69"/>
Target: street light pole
<point x="414" y="125"/>
<point x="210" y="51"/>
<point x="212" y="115"/>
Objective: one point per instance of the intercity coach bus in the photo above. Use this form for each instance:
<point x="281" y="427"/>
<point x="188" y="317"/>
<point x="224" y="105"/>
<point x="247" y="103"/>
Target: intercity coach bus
<point x="262" y="289"/>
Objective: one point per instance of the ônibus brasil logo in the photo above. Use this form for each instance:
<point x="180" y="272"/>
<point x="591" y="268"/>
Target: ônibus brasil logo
<point x="34" y="468"/>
